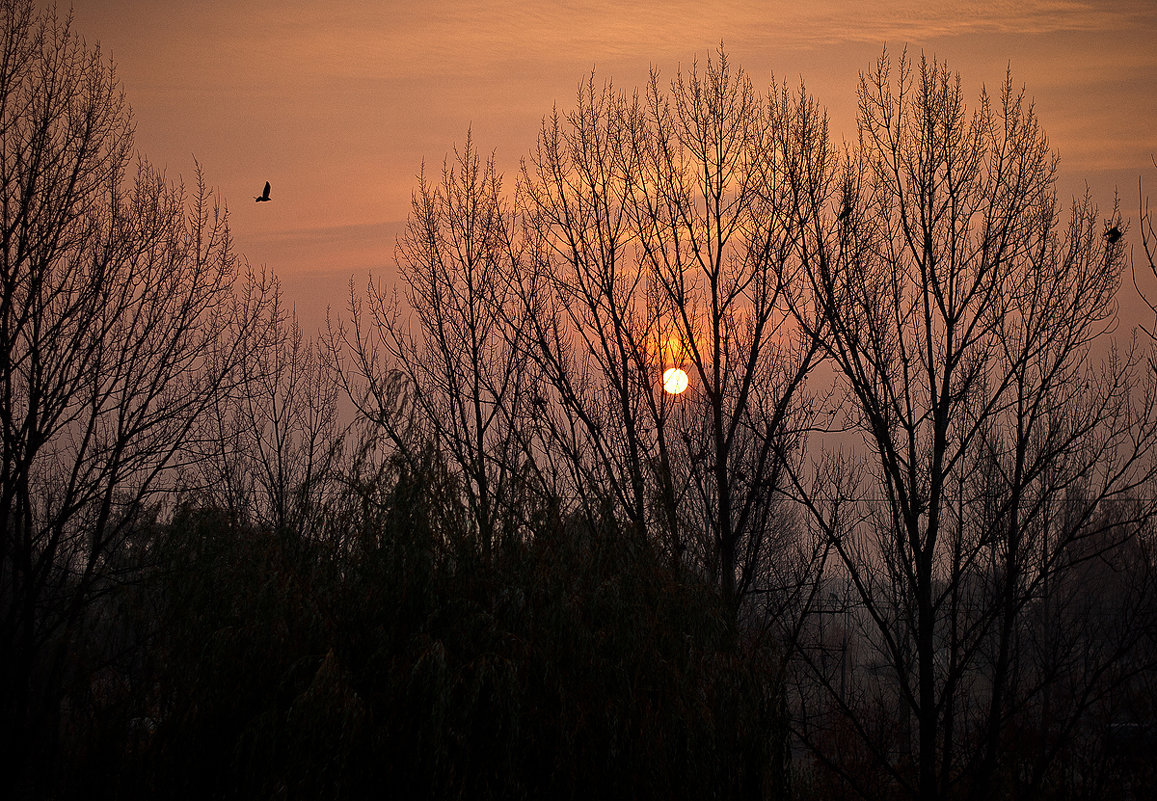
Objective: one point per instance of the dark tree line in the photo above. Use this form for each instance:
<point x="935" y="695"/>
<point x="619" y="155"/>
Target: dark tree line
<point x="894" y="540"/>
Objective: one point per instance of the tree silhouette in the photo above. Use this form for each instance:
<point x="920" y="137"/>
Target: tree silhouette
<point x="1149" y="245"/>
<point x="903" y="509"/>
<point x="454" y="344"/>
<point x="663" y="237"/>
<point x="274" y="439"/>
<point x="962" y="322"/>
<point x="118" y="325"/>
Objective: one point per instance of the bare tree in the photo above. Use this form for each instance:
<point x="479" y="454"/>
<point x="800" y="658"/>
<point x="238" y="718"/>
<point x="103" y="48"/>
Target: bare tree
<point x="118" y="324"/>
<point x="454" y="342"/>
<point x="963" y="327"/>
<point x="665" y="238"/>
<point x="275" y="435"/>
<point x="587" y="315"/>
<point x="1149" y="244"/>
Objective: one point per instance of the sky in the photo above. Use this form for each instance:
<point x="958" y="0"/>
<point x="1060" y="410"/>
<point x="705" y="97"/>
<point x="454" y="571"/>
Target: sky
<point x="339" y="102"/>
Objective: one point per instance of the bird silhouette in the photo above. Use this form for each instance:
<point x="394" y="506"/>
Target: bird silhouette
<point x="846" y="202"/>
<point x="1113" y="234"/>
<point x="264" y="194"/>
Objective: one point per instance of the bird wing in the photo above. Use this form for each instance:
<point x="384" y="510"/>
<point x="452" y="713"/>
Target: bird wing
<point x="265" y="194"/>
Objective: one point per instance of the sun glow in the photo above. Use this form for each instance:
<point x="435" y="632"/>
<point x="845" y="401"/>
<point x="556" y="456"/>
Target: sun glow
<point x="674" y="381"/>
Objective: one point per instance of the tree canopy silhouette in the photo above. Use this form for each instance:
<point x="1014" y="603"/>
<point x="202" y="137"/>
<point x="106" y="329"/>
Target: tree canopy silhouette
<point x="894" y="538"/>
<point x="119" y="324"/>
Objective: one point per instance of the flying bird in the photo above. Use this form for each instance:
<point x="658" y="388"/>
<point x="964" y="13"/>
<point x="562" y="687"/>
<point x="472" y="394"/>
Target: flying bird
<point x="1113" y="234"/>
<point x="264" y="194"/>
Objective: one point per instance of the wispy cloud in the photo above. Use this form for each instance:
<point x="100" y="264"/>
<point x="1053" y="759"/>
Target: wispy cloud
<point x="441" y="37"/>
<point x="833" y="21"/>
<point x="339" y="102"/>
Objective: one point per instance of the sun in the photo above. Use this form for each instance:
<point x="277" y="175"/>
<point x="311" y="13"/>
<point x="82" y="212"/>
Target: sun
<point x="674" y="381"/>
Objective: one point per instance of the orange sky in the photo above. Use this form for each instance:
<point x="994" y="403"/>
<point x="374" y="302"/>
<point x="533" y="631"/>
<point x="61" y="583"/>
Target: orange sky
<point x="337" y="102"/>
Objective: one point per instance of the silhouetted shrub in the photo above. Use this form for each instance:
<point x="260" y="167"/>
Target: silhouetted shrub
<point x="572" y="663"/>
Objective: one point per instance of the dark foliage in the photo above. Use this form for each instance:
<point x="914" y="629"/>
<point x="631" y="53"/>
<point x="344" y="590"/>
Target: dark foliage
<point x="575" y="664"/>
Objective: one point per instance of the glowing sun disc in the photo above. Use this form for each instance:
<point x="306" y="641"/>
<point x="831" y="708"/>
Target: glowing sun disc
<point x="674" y="381"/>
